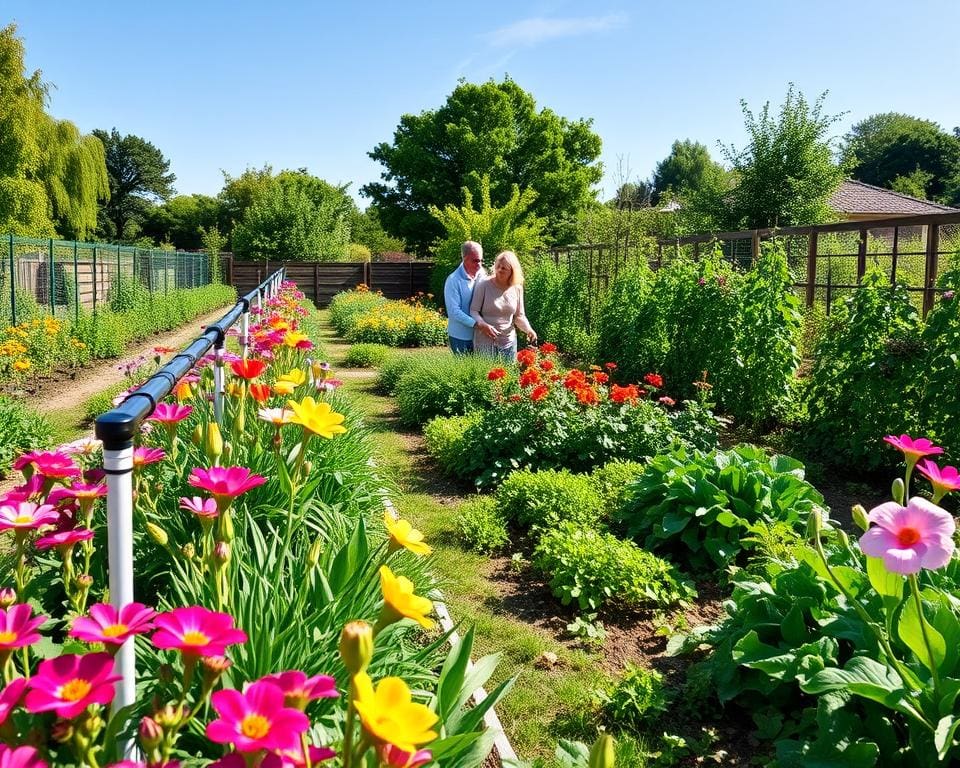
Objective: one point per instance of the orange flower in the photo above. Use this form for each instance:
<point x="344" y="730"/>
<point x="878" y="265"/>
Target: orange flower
<point x="586" y="396"/>
<point x="496" y="374"/>
<point x="260" y="392"/>
<point x="546" y="365"/>
<point x="526" y="357"/>
<point x="529" y="377"/>
<point x="600" y="378"/>
<point x="539" y="392"/>
<point x="628" y="394"/>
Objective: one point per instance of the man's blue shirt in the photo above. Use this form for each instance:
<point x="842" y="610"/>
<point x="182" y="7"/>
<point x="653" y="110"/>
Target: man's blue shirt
<point x="457" y="292"/>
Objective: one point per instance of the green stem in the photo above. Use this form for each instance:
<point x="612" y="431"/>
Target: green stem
<point x="915" y="588"/>
<point x="347" y="750"/>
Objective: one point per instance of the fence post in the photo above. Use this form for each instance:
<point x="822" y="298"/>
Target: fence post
<point x="95" y="276"/>
<point x="930" y="268"/>
<point x="53" y="306"/>
<point x="755" y="247"/>
<point x="76" y="282"/>
<point x="811" y="268"/>
<point x="893" y="260"/>
<point x="244" y="329"/>
<point x="13" y="285"/>
<point x="862" y="255"/>
<point x="150" y="272"/>
<point x="118" y="264"/>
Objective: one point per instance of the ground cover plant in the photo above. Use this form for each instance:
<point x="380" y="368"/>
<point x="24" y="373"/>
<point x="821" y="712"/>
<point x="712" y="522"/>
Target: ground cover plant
<point x="287" y="616"/>
<point x="366" y="355"/>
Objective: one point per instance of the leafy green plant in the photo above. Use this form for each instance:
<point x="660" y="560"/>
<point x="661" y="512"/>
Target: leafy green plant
<point x="366" y="355"/>
<point x="588" y="629"/>
<point x="613" y="481"/>
<point x="442" y="384"/>
<point x="444" y="438"/>
<point x="700" y="507"/>
<point x="590" y="569"/>
<point x="21" y="430"/>
<point x="541" y="499"/>
<point x="637" y="699"/>
<point x="347" y="306"/>
<point x="481" y="526"/>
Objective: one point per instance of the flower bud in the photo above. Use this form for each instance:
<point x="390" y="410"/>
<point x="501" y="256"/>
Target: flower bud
<point x="307" y="468"/>
<point x="897" y="490"/>
<point x="170" y="716"/>
<point x="844" y="539"/>
<point x="188" y="551"/>
<point x="62" y="731"/>
<point x="221" y="553"/>
<point x="84" y="581"/>
<point x="92" y="724"/>
<point x="813" y="523"/>
<point x="197" y="437"/>
<point x="228" y="451"/>
<point x="227" y="533"/>
<point x="158" y="534"/>
<point x="356" y="646"/>
<point x="602" y="752"/>
<point x="8" y="596"/>
<point x="213" y="445"/>
<point x="213" y="668"/>
<point x="151" y="734"/>
<point x="316" y="549"/>
<point x="860" y="517"/>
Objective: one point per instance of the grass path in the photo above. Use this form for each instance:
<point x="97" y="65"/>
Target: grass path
<point x="547" y="700"/>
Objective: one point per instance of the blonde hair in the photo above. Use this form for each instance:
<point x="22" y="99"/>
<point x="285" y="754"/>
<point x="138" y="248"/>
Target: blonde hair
<point x="516" y="276"/>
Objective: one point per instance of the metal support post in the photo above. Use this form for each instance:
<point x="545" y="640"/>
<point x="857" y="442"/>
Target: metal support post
<point x="218" y="381"/>
<point x="13" y="285"/>
<point x="244" y="330"/>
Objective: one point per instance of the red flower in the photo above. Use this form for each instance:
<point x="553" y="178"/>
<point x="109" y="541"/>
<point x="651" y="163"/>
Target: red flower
<point x="610" y="366"/>
<point x="526" y="357"/>
<point x="515" y="398"/>
<point x="654" y="380"/>
<point x="260" y="392"/>
<point x="496" y="374"/>
<point x="546" y="365"/>
<point x="539" y="392"/>
<point x="547" y="347"/>
<point x="529" y="377"/>
<point x="575" y="379"/>
<point x="600" y="378"/>
<point x="586" y="396"/>
<point x="248" y="369"/>
<point x="628" y="394"/>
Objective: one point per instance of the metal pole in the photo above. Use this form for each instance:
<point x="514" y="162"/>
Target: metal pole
<point x="76" y="283"/>
<point x="218" y="382"/>
<point x="95" y="277"/>
<point x="244" y="331"/>
<point x="118" y="465"/>
<point x="13" y="285"/>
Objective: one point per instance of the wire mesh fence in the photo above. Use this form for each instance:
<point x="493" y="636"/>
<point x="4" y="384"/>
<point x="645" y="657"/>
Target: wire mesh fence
<point x="64" y="278"/>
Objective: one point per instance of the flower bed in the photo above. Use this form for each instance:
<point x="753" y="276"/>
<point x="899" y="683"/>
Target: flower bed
<point x="364" y="317"/>
<point x="281" y="624"/>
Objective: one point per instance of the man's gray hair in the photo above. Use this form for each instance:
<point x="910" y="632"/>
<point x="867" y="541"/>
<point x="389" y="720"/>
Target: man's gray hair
<point x="471" y="247"/>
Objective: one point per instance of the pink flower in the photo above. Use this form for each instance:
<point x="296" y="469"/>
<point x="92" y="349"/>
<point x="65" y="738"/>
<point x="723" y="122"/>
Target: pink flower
<point x="293" y="758"/>
<point x="10" y="697"/>
<point x="393" y="756"/>
<point x="20" y="757"/>
<point x="144" y="456"/>
<point x="919" y="535"/>
<point x="913" y="449"/>
<point x="47" y="463"/>
<point x="225" y="483"/>
<point x="85" y="491"/>
<point x="170" y="413"/>
<point x="668" y="401"/>
<point x="299" y="690"/>
<point x="64" y="539"/>
<point x="17" y="629"/>
<point x="25" y="515"/>
<point x="199" y="507"/>
<point x="69" y="684"/>
<point x="943" y="480"/>
<point x="106" y="625"/>
<point x="196" y="631"/>
<point x="256" y="719"/>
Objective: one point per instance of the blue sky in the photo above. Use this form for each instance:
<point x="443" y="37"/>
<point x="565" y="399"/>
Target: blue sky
<point x="218" y="85"/>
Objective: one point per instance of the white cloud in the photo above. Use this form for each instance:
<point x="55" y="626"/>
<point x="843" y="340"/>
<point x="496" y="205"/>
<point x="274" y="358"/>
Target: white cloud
<point x="529" y="32"/>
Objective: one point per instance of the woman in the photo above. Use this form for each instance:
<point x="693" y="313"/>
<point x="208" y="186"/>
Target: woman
<point x="497" y="306"/>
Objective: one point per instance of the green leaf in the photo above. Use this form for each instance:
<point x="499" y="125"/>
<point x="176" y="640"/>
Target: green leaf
<point x="944" y="734"/>
<point x="912" y="634"/>
<point x="883" y="581"/>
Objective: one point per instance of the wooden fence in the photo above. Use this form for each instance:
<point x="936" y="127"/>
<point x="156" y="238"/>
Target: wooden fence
<point x="322" y="280"/>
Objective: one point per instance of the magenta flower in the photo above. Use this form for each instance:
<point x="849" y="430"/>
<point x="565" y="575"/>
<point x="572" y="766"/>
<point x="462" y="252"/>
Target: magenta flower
<point x="943" y="480"/>
<point x="26" y="515"/>
<point x="293" y="758"/>
<point x="64" y="539"/>
<point x="913" y="449"/>
<point x="17" y="629"/>
<point x="144" y="456"/>
<point x="10" y="697"/>
<point x="105" y="625"/>
<point x="225" y="483"/>
<point x="256" y="719"/>
<point x="199" y="507"/>
<point x="196" y="631"/>
<point x="20" y="757"/>
<point x="84" y="491"/>
<point x="69" y="684"/>
<point x="170" y="413"/>
<point x="299" y="690"/>
<point x="396" y="757"/>
<point x="54" y="464"/>
<point x="919" y="535"/>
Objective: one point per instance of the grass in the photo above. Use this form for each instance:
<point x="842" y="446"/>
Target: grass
<point x="545" y="704"/>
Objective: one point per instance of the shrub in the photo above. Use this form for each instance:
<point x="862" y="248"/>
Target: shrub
<point x="400" y="324"/>
<point x="543" y="499"/>
<point x="637" y="699"/>
<point x="592" y="568"/>
<point x="481" y="526"/>
<point x="366" y="356"/>
<point x="21" y="430"/>
<point x="557" y="297"/>
<point x="395" y="366"/>
<point x="612" y="481"/>
<point x="444" y="437"/>
<point x="102" y="401"/>
<point x="442" y="384"/>
<point x="700" y="507"/>
<point x="346" y="306"/>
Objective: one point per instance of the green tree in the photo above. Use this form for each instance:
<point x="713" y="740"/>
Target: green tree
<point x="367" y="230"/>
<point x="181" y="220"/>
<point x="139" y="176"/>
<point x="891" y="145"/>
<point x="687" y="168"/>
<point x="298" y="216"/>
<point x="51" y="175"/>
<point x="786" y="173"/>
<point x="513" y="226"/>
<point x="239" y="193"/>
<point x="493" y="130"/>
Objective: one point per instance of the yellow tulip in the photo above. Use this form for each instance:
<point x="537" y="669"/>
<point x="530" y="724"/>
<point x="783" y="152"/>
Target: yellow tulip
<point x="400" y="602"/>
<point x="318" y="418"/>
<point x="404" y="536"/>
<point x="389" y="714"/>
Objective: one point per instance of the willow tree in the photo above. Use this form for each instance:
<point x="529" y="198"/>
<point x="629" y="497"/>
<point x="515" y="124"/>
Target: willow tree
<point x="51" y="175"/>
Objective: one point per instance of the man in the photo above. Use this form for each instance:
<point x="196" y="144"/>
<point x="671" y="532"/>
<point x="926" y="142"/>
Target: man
<point x="457" y="292"/>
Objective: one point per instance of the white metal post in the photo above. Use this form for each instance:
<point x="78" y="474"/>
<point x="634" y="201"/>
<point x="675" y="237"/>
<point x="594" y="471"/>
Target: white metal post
<point x="218" y="383"/>
<point x="118" y="465"/>
<point x="244" y="333"/>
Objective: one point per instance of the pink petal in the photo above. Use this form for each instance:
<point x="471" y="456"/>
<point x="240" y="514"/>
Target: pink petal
<point x="903" y="561"/>
<point x="877" y="541"/>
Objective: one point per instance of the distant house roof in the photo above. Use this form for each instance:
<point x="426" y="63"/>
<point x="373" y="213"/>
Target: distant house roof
<point x="856" y="198"/>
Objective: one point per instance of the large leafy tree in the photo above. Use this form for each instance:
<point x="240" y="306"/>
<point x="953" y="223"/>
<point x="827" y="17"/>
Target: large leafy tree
<point x="51" y="175"/>
<point x="139" y="177"/>
<point x="786" y="173"/>
<point x="687" y="168"/>
<point x="239" y="193"/>
<point x="495" y="130"/>
<point x="905" y="153"/>
<point x="297" y="216"/>
<point x="182" y="220"/>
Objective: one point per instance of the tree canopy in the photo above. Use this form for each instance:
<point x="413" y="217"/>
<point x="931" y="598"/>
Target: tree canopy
<point x="687" y="168"/>
<point x="905" y="153"/>
<point x="181" y="220"/>
<point x="495" y="130"/>
<point x="139" y="176"/>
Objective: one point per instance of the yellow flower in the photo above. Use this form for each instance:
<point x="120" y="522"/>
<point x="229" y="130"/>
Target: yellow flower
<point x="292" y="338"/>
<point x="21" y="365"/>
<point x="234" y="389"/>
<point x="295" y="376"/>
<point x="390" y="715"/>
<point x="182" y="391"/>
<point x="283" y="387"/>
<point x="399" y="601"/>
<point x="318" y="418"/>
<point x="402" y="534"/>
